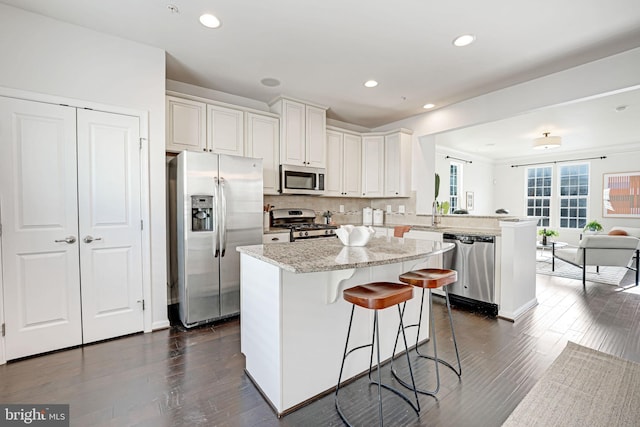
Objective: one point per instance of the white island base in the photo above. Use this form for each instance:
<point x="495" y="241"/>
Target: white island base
<point x="294" y="326"/>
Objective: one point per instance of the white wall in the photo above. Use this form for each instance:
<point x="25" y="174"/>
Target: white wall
<point x="477" y="177"/>
<point x="46" y="56"/>
<point x="510" y="187"/>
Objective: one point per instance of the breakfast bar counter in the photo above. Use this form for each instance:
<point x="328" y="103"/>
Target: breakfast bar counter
<point x="294" y="320"/>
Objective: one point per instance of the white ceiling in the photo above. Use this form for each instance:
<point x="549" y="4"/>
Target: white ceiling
<point x="323" y="50"/>
<point x="600" y="125"/>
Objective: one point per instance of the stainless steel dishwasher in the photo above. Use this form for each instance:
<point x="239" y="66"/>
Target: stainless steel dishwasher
<point x="473" y="257"/>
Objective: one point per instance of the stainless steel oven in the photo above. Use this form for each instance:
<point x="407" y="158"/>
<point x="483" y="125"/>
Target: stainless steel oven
<point x="301" y="180"/>
<point x="301" y="224"/>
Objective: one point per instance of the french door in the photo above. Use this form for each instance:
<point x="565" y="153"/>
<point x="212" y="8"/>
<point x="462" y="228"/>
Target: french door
<point x="70" y="213"/>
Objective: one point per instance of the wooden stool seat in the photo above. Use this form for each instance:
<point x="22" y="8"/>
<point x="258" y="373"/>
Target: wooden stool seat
<point x="378" y="295"/>
<point x="430" y="278"/>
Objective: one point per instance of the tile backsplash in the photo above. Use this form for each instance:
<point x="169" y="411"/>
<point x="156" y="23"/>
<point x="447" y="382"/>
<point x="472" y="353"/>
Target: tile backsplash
<point x="352" y="208"/>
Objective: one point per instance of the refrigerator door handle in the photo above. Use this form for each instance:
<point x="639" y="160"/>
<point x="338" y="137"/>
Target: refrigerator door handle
<point x="216" y="220"/>
<point x="223" y="217"/>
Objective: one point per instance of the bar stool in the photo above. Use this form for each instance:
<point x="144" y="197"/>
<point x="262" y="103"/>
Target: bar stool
<point x="430" y="278"/>
<point x="377" y="296"/>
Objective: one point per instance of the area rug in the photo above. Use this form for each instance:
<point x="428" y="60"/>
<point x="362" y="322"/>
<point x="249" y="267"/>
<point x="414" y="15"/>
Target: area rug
<point x="607" y="275"/>
<point x="582" y="387"/>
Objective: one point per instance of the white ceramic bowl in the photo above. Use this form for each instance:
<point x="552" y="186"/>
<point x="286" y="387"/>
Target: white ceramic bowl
<point x="351" y="235"/>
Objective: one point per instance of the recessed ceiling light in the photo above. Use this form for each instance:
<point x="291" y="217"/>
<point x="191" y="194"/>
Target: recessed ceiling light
<point x="371" y="83"/>
<point x="464" y="40"/>
<point x="428" y="106"/>
<point x="209" y="21"/>
<point x="270" y="82"/>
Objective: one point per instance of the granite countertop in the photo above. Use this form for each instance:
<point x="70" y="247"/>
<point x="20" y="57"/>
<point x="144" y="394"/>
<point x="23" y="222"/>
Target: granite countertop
<point x="467" y="231"/>
<point x="314" y="255"/>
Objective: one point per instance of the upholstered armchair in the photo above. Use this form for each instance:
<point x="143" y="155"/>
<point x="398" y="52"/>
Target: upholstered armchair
<point x="601" y="250"/>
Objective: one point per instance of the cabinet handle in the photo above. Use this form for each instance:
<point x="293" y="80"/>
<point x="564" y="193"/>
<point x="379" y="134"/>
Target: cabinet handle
<point x="275" y="239"/>
<point x="204" y="149"/>
<point x="69" y="240"/>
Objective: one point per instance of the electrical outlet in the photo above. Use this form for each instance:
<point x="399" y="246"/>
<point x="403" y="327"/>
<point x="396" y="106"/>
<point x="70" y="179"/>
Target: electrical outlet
<point x="388" y="209"/>
<point x="341" y="208"/>
<point x="401" y="209"/>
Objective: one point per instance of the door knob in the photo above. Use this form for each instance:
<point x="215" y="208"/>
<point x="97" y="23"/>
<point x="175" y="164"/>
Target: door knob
<point x="69" y="240"/>
<point x="90" y="239"/>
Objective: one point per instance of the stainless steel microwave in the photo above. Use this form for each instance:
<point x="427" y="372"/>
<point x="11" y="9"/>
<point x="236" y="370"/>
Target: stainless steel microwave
<point x="301" y="180"/>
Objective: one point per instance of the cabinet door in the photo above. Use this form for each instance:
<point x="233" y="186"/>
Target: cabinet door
<point x="397" y="168"/>
<point x="372" y="166"/>
<point x="316" y="137"/>
<point x="186" y="125"/>
<point x="292" y="150"/>
<point x="38" y="195"/>
<point x="352" y="159"/>
<point x="225" y="130"/>
<point x="263" y="141"/>
<point x="335" y="164"/>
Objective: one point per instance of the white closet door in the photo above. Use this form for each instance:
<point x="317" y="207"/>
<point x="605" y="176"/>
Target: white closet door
<point x="38" y="209"/>
<point x="110" y="224"/>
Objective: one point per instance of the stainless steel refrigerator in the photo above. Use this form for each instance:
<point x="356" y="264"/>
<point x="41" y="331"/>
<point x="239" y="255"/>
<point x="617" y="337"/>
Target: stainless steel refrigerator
<point x="217" y="206"/>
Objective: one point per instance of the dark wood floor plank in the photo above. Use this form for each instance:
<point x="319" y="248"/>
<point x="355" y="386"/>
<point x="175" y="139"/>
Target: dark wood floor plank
<point x="179" y="377"/>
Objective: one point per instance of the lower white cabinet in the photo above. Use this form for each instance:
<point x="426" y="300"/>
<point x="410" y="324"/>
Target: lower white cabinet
<point x="275" y="238"/>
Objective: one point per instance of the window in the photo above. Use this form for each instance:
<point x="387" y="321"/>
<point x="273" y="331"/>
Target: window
<point x="574" y="193"/>
<point x="455" y="183"/>
<point x="539" y="193"/>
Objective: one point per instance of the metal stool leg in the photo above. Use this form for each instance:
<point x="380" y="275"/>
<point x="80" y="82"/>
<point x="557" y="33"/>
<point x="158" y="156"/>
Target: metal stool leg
<point x="376" y="339"/>
<point x="435" y="357"/>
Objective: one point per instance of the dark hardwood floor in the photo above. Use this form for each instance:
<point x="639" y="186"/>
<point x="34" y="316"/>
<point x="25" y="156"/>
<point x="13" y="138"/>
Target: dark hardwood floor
<point x="175" y="377"/>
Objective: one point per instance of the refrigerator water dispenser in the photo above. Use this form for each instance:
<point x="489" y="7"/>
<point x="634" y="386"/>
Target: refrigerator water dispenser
<point x="201" y="210"/>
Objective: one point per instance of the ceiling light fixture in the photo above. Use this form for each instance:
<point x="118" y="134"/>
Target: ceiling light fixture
<point x="173" y="8"/>
<point x="371" y="83"/>
<point x="428" y="106"/>
<point x="270" y="82"/>
<point x="464" y="40"/>
<point x="209" y="21"/>
<point x="547" y="142"/>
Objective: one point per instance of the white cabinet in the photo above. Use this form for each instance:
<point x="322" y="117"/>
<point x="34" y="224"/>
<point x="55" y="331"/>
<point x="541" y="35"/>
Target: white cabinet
<point x="186" y="125"/>
<point x="397" y="168"/>
<point x="344" y="151"/>
<point x="275" y="238"/>
<point x="263" y="140"/>
<point x="373" y="166"/>
<point x="303" y="133"/>
<point x="225" y="130"/>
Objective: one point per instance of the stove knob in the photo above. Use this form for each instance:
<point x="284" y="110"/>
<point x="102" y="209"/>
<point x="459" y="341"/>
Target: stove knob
<point x="301" y="234"/>
<point x="306" y="233"/>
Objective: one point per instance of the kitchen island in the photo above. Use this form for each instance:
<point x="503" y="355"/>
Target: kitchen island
<point x="294" y="319"/>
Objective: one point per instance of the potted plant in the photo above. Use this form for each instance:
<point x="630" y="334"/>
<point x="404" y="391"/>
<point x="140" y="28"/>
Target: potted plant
<point x="546" y="233"/>
<point x="593" y="226"/>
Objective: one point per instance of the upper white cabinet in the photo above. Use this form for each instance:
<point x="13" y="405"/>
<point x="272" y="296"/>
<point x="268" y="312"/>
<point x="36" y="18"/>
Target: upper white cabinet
<point x="373" y="166"/>
<point x="344" y="151"/>
<point x="303" y="133"/>
<point x="263" y="140"/>
<point x="186" y="125"/>
<point x="225" y="130"/>
<point x="397" y="169"/>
